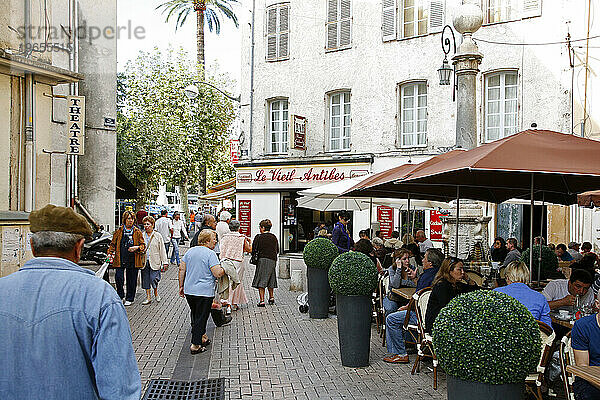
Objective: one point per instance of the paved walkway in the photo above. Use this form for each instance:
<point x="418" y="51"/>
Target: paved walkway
<point x="266" y="353"/>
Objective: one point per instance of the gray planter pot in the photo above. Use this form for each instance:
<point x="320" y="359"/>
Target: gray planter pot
<point x="318" y="293"/>
<point x="467" y="390"/>
<point x="354" y="329"/>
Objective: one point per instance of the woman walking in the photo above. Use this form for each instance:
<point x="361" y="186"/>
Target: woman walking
<point x="197" y="279"/>
<point x="179" y="231"/>
<point x="127" y="251"/>
<point x="265" y="249"/>
<point x="233" y="247"/>
<point x="156" y="258"/>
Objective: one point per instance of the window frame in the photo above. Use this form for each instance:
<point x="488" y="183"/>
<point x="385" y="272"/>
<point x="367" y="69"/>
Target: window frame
<point x="485" y="77"/>
<point x="401" y="7"/>
<point x="328" y="122"/>
<point x="522" y="11"/>
<point x="400" y="102"/>
<point x="278" y="33"/>
<point x="269" y="132"/>
<point x="338" y="24"/>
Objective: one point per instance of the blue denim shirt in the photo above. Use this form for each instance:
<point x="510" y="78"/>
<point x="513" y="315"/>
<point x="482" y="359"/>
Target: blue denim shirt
<point x="64" y="334"/>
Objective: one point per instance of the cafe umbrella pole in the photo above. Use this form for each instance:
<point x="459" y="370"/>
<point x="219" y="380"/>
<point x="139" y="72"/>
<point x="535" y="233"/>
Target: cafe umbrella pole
<point x="457" y="215"/>
<point x="541" y="238"/>
<point x="531" y="236"/>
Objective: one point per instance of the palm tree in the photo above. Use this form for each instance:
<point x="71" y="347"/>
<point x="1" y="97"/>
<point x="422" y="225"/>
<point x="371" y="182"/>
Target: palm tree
<point x="204" y="9"/>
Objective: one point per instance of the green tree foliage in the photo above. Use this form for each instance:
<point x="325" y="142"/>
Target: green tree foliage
<point x="164" y="135"/>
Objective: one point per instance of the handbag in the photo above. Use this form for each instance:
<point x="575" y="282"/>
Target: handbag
<point x="254" y="254"/>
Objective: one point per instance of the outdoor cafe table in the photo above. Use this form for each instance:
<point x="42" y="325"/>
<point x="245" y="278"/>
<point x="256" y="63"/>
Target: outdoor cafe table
<point x="566" y="323"/>
<point x="406" y="292"/>
<point x="589" y="373"/>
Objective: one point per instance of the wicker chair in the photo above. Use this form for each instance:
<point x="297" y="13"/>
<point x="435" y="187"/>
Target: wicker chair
<point x="535" y="380"/>
<point x="476" y="277"/>
<point x="413" y="329"/>
<point x="567" y="358"/>
<point x="382" y="289"/>
<point x="425" y="345"/>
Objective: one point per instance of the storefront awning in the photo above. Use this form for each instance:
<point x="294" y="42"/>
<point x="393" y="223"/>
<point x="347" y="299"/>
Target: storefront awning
<point x="18" y="65"/>
<point x="219" y="195"/>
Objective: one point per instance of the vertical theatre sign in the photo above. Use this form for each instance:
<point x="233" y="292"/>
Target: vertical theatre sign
<point x="299" y="126"/>
<point x="76" y="125"/>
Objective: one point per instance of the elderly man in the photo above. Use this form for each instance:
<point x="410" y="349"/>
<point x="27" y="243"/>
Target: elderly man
<point x="513" y="252"/>
<point x="561" y="293"/>
<point x="573" y="250"/>
<point x="585" y="341"/>
<point x="64" y="333"/>
<point x="164" y="226"/>
<point x="394" y="322"/>
<point x="223" y="226"/>
<point x="423" y="241"/>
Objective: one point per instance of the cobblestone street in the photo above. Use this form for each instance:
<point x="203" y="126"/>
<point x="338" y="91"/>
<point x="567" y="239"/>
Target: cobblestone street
<point x="266" y="353"/>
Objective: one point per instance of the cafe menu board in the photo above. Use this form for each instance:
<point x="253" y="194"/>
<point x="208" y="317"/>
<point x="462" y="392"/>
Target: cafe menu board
<point x="385" y="216"/>
<point x="435" y="225"/>
<point x="244" y="212"/>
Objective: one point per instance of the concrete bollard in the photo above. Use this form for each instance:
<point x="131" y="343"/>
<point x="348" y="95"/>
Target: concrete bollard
<point x="296" y="284"/>
<point x="284" y="268"/>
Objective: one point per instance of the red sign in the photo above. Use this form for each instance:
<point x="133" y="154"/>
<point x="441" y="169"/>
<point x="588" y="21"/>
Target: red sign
<point x="299" y="124"/>
<point x="385" y="216"/>
<point x="435" y="225"/>
<point x="234" y="150"/>
<point x="244" y="216"/>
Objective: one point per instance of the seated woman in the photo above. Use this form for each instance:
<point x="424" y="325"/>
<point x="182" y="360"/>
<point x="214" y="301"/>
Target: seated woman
<point x="448" y="284"/>
<point x="397" y="273"/>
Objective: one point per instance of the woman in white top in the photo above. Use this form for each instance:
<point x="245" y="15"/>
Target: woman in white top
<point x="156" y="258"/>
<point x="178" y="230"/>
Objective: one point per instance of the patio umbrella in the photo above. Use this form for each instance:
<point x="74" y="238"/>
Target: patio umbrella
<point x="333" y="204"/>
<point x="589" y="199"/>
<point x="545" y="165"/>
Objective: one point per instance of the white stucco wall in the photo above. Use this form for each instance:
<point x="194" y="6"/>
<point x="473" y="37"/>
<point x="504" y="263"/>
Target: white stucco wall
<point x="263" y="206"/>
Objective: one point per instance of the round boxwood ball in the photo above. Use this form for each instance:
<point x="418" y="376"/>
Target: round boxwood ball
<point x="488" y="337"/>
<point x="353" y="274"/>
<point x="320" y="253"/>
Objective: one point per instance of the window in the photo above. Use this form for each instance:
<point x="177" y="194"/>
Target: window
<point x="339" y="24"/>
<point x="339" y="121"/>
<point x="417" y="18"/>
<point x="500" y="105"/>
<point x="413" y="114"/>
<point x="278" y="32"/>
<point x="278" y="126"/>
<point x="510" y="10"/>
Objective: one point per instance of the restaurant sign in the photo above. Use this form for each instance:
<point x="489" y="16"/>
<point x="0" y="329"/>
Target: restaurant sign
<point x="244" y="216"/>
<point x="234" y="151"/>
<point x="385" y="216"/>
<point x="297" y="176"/>
<point x="435" y="225"/>
<point x="76" y="125"/>
<point x="299" y="126"/>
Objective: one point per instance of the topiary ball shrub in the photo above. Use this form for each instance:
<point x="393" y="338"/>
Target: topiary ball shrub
<point x="488" y="337"/>
<point x="549" y="262"/>
<point x="320" y="253"/>
<point x="353" y="274"/>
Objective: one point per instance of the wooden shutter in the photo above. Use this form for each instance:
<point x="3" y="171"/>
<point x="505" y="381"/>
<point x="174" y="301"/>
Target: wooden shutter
<point x="272" y="33"/>
<point x="436" y="15"/>
<point x="389" y="20"/>
<point x="332" y="24"/>
<point x="531" y="8"/>
<point x="345" y="23"/>
<point x="284" y="29"/>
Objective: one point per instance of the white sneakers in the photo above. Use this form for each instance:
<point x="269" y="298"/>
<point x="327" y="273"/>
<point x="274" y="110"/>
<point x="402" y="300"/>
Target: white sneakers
<point x="158" y="299"/>
<point x="146" y="302"/>
<point x="127" y="303"/>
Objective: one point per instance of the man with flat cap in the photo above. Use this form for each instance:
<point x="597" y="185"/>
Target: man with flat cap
<point x="64" y="333"/>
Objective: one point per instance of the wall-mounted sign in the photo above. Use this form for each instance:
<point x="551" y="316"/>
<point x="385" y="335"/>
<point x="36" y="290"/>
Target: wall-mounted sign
<point x="110" y="122"/>
<point x="435" y="225"/>
<point x="299" y="131"/>
<point x="234" y="150"/>
<point x="297" y="176"/>
<point x="244" y="216"/>
<point x="385" y="217"/>
<point x="76" y="125"/>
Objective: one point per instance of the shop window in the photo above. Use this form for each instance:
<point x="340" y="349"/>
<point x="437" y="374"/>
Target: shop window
<point x="413" y="114"/>
<point x="339" y="24"/>
<point x="278" y="32"/>
<point x="339" y="121"/>
<point x="278" y="126"/>
<point x="501" y="105"/>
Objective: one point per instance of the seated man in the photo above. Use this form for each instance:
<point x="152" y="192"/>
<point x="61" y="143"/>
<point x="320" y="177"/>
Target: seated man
<point x="573" y="250"/>
<point x="513" y="252"/>
<point x="562" y="253"/>
<point x="394" y="322"/>
<point x="585" y="341"/>
<point x="561" y="293"/>
<point x="517" y="274"/>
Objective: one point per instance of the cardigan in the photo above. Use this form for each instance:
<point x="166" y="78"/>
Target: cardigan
<point x="441" y="294"/>
<point x="265" y="245"/>
<point x="156" y="252"/>
<point x="115" y="247"/>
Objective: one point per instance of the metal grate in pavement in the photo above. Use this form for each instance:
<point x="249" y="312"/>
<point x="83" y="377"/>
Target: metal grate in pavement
<point x="206" y="389"/>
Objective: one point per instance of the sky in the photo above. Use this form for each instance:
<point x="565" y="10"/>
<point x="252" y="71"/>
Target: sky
<point x="220" y="50"/>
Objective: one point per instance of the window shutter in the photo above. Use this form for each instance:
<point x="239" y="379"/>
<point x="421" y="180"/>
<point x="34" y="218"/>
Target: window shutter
<point x="284" y="28"/>
<point x="531" y="8"/>
<point x="272" y="33"/>
<point x="332" y="24"/>
<point x="345" y="23"/>
<point x="388" y="20"/>
<point x="436" y="15"/>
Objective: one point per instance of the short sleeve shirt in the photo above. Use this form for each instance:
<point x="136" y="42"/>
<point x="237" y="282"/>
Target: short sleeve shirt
<point x="559" y="289"/>
<point x="199" y="280"/>
<point x="586" y="336"/>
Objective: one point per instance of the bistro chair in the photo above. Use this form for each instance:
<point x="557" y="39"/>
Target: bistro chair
<point x="413" y="329"/>
<point x="425" y="344"/>
<point x="567" y="358"/>
<point x="535" y="380"/>
<point x="379" y="312"/>
<point x="476" y="277"/>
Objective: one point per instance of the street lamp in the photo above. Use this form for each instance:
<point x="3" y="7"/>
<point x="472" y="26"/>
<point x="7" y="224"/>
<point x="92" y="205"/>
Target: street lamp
<point x="445" y="71"/>
<point x="192" y="92"/>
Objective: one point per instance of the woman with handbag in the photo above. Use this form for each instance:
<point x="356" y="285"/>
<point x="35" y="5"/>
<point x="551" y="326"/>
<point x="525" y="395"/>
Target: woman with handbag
<point x="127" y="252"/>
<point x="156" y="258"/>
<point x="265" y="249"/>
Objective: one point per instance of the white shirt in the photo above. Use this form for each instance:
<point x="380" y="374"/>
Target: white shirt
<point x="163" y="225"/>
<point x="222" y="228"/>
<point x="178" y="226"/>
<point x="559" y="289"/>
<point x="424" y="245"/>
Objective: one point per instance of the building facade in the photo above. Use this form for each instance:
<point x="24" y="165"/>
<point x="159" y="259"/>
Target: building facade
<point x="364" y="76"/>
<point x="55" y="149"/>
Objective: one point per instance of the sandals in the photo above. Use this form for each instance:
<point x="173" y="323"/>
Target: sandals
<point x="272" y="301"/>
<point x="200" y="349"/>
<point x="206" y="343"/>
<point x="261" y="304"/>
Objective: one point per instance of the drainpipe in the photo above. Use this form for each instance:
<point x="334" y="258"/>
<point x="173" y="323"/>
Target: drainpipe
<point x="252" y="82"/>
<point x="29" y="121"/>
